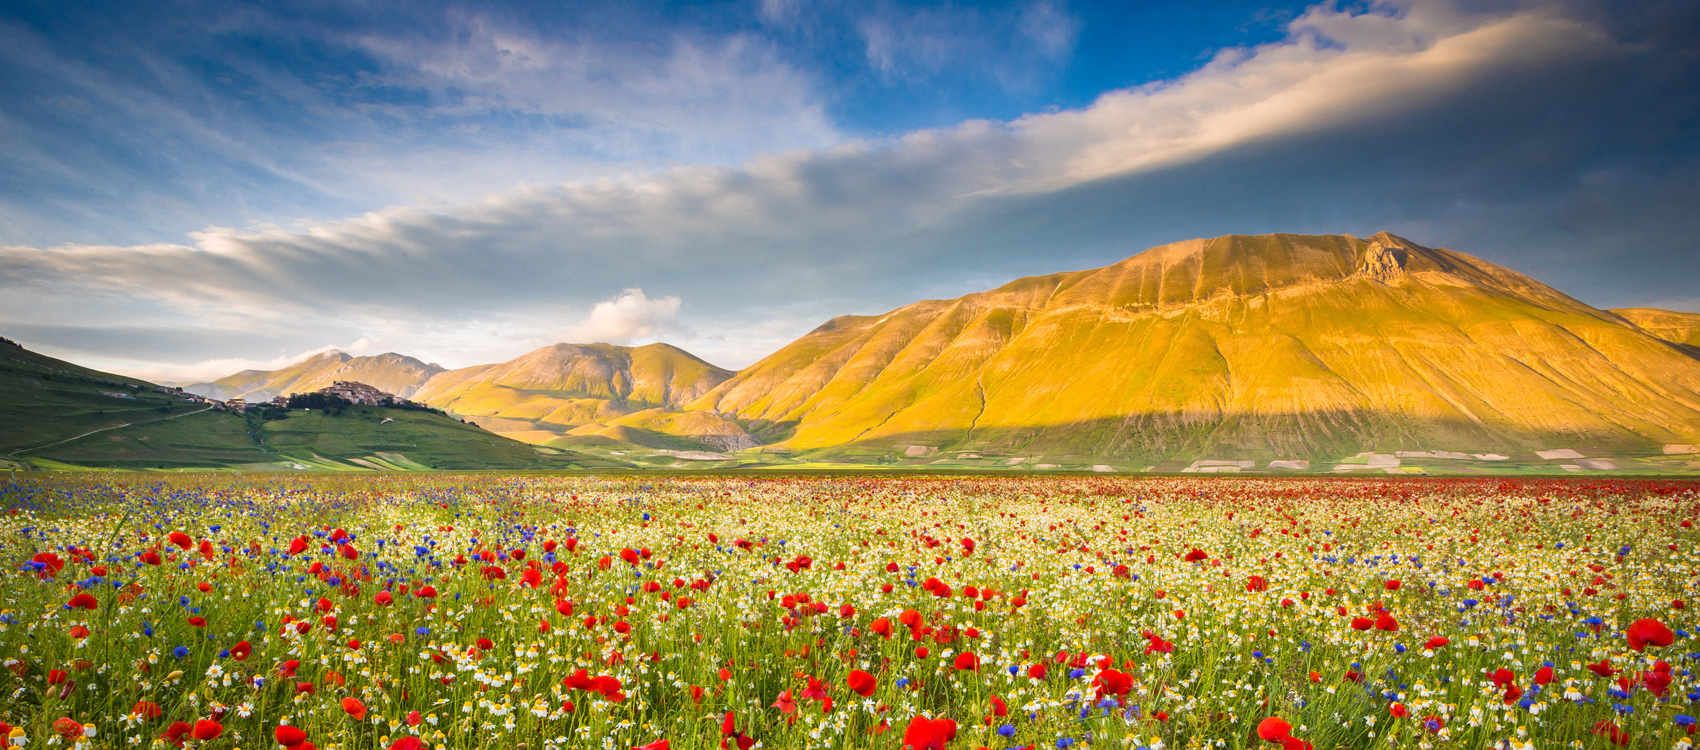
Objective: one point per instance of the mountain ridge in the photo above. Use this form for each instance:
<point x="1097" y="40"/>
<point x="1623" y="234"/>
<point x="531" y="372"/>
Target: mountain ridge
<point x="1251" y="344"/>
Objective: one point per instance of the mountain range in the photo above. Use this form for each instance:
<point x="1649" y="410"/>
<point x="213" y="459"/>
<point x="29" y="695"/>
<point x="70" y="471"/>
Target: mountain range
<point x="1239" y="348"/>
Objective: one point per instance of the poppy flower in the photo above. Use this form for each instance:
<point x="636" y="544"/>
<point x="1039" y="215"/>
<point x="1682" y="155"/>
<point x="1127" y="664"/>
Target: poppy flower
<point x="289" y="736"/>
<point x="147" y="709"/>
<point x="1398" y="711"/>
<point x="1112" y="682"/>
<point x="1274" y="729"/>
<point x="354" y="708"/>
<point x="861" y="683"/>
<point x="967" y="661"/>
<point x="408" y="743"/>
<point x="1436" y="642"/>
<point x="208" y="730"/>
<point x="660" y="744"/>
<point x="929" y="734"/>
<point x="175" y="733"/>
<point x="68" y="728"/>
<point x="784" y="703"/>
<point x="83" y="601"/>
<point x="1649" y="632"/>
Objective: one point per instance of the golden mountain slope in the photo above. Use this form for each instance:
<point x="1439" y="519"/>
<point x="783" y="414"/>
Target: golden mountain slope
<point x="1241" y="347"/>
<point x="585" y="389"/>
<point x="389" y="372"/>
<point x="1675" y="327"/>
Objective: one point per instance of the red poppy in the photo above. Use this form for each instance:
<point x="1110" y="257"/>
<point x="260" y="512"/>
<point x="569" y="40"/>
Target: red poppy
<point x="408" y="743"/>
<point x="289" y="736"/>
<point x="660" y="744"/>
<point x="967" y="661"/>
<point x="1274" y="729"/>
<point x="929" y="734"/>
<point x="861" y="683"/>
<point x="83" y="601"/>
<point x="176" y="732"/>
<point x="147" y="709"/>
<point x="881" y="626"/>
<point x="1436" y="642"/>
<point x="1112" y="682"/>
<point x="180" y="539"/>
<point x="1649" y="632"/>
<point x="354" y="708"/>
<point x="208" y="730"/>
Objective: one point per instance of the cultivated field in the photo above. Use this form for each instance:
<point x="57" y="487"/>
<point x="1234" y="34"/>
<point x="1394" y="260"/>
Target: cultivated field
<point x="386" y="611"/>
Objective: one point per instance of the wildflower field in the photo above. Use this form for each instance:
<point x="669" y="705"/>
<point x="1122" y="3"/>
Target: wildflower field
<point x="401" y="612"/>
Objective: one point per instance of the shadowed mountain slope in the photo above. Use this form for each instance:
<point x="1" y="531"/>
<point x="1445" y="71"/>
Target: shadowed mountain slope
<point x="1254" y="346"/>
<point x="390" y="372"/>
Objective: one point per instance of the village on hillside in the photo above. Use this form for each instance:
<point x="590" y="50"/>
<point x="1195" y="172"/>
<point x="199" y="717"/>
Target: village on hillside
<point x="345" y="391"/>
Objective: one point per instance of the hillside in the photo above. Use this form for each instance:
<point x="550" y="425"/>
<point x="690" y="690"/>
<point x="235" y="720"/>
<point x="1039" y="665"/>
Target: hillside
<point x="556" y="392"/>
<point x="59" y="415"/>
<point x="1265" y="347"/>
<point x="1675" y="327"/>
<point x="45" y="400"/>
<point x="357" y="438"/>
<point x="390" y="372"/>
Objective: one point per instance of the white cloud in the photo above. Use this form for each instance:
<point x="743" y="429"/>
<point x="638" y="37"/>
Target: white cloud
<point x="630" y="316"/>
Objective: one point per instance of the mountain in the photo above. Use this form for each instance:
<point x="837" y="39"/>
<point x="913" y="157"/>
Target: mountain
<point x="1675" y="327"/>
<point x="390" y="372"/>
<point x="1273" y="346"/>
<point x="560" y="393"/>
<point x="56" y="414"/>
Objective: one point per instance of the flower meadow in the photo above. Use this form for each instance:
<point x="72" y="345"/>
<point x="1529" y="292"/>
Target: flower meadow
<point x="403" y="612"/>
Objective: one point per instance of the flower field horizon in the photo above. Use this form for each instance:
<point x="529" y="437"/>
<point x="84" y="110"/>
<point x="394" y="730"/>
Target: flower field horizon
<point x="402" y="612"/>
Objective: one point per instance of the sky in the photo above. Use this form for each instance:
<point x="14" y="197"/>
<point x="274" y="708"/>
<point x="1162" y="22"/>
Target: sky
<point x="189" y="188"/>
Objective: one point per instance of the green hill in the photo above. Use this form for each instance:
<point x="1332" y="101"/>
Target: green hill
<point x="45" y="400"/>
<point x="1239" y="347"/>
<point x="58" y="415"/>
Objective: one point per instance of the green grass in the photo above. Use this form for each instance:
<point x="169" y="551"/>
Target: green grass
<point x="358" y="439"/>
<point x="44" y="400"/>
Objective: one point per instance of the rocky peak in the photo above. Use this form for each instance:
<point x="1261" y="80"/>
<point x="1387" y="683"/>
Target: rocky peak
<point x="1383" y="261"/>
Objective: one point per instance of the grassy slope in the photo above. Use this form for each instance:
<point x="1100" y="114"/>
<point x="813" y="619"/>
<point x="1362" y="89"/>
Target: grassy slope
<point x="549" y="393"/>
<point x="1675" y="327"/>
<point x="44" y="400"/>
<point x="1239" y="347"/>
<point x="357" y="438"/>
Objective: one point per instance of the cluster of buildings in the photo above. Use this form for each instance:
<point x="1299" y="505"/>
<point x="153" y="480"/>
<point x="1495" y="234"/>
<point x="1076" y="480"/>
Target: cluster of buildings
<point x="359" y="393"/>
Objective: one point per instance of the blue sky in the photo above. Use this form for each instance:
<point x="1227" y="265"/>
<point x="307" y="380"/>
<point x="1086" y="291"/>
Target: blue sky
<point x="190" y="188"/>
